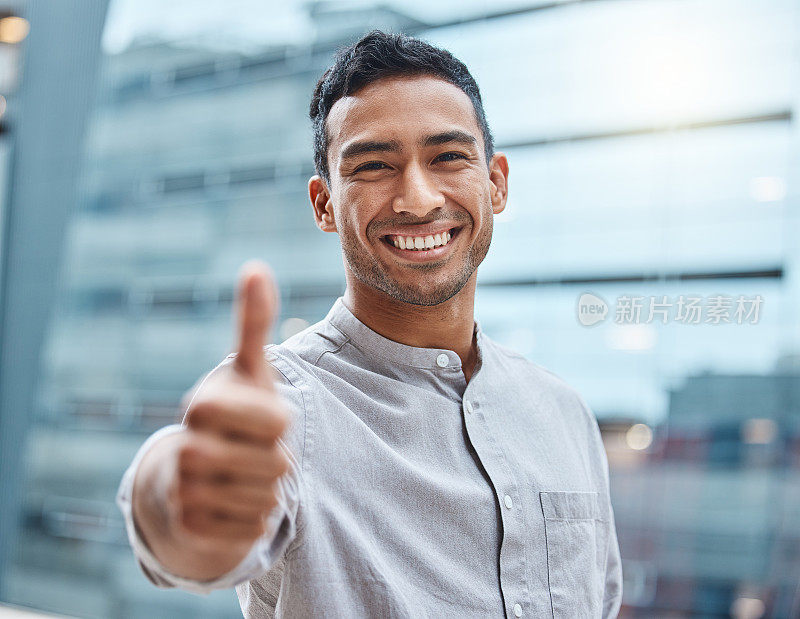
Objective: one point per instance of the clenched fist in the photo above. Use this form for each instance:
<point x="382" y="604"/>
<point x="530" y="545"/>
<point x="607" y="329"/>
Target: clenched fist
<point x="202" y="494"/>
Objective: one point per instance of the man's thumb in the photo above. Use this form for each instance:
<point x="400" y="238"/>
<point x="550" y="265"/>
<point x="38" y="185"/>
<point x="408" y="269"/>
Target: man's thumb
<point x="257" y="309"/>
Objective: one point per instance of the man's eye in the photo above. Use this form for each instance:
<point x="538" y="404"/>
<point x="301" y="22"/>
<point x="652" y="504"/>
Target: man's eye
<point x="372" y="165"/>
<point x="450" y="157"/>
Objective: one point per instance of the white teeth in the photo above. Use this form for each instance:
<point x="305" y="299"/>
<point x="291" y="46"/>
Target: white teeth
<point x="422" y="242"/>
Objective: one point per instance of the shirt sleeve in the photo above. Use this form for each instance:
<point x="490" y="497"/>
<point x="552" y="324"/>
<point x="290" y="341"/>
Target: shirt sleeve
<point x="612" y="595"/>
<point x="266" y="551"/>
<point x="612" y="586"/>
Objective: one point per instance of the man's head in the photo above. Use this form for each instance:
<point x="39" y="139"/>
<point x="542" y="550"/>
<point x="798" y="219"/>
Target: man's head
<point x="403" y="150"/>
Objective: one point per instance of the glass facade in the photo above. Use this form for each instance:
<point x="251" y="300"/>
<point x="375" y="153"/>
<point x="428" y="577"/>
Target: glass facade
<point x="653" y="149"/>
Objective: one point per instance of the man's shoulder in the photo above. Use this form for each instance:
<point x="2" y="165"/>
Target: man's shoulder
<point x="535" y="376"/>
<point x="509" y="357"/>
<point x="304" y="349"/>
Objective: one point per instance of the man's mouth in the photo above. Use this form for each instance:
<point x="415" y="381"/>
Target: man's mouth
<point x="422" y="242"/>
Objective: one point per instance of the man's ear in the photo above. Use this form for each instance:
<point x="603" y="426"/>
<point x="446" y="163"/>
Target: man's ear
<point x="321" y="203"/>
<point x="498" y="177"/>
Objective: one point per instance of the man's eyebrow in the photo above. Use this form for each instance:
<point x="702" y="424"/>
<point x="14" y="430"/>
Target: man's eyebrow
<point x="445" y="137"/>
<point x="369" y="146"/>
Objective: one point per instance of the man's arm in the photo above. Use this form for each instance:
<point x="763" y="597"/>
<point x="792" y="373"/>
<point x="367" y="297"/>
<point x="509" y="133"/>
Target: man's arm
<point x="612" y="582"/>
<point x="612" y="595"/>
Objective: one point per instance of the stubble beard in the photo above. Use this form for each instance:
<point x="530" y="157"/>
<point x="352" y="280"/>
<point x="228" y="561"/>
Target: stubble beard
<point x="371" y="272"/>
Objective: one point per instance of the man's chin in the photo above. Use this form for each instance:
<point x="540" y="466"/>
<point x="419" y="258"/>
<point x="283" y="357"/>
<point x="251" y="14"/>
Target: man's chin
<point x="423" y="284"/>
<point x="423" y="295"/>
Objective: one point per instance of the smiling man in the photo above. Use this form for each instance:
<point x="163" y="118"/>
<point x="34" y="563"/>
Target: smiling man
<point x="390" y="460"/>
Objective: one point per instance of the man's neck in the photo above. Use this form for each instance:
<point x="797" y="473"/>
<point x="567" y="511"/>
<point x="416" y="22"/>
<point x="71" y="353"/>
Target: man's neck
<point x="448" y="325"/>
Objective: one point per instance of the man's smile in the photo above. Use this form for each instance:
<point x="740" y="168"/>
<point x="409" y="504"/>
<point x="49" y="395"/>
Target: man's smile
<point x="419" y="247"/>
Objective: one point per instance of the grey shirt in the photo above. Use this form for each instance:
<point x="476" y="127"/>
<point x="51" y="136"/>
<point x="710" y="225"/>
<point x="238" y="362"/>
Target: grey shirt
<point x="413" y="493"/>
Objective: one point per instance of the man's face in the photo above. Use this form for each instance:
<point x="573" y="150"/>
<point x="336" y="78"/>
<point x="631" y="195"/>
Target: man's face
<point x="407" y="168"/>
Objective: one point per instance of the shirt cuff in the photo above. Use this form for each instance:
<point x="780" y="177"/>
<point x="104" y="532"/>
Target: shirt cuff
<point x="280" y="530"/>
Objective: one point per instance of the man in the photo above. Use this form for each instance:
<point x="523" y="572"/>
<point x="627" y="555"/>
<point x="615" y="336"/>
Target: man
<point x="390" y="460"/>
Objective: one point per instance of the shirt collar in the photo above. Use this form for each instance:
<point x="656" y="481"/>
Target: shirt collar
<point x="374" y="344"/>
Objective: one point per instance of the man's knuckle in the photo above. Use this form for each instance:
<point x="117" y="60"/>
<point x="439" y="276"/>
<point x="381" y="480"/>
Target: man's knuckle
<point x="205" y="406"/>
<point x="193" y="520"/>
<point x="187" y="458"/>
<point x="197" y="413"/>
<point x="189" y="493"/>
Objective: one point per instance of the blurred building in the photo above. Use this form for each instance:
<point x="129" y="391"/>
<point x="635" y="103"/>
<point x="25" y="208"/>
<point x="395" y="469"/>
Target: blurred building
<point x="708" y="505"/>
<point x="653" y="151"/>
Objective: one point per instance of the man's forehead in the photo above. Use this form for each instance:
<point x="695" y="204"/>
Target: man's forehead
<point x="400" y="108"/>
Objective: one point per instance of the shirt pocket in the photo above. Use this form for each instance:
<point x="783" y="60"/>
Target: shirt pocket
<point x="576" y="534"/>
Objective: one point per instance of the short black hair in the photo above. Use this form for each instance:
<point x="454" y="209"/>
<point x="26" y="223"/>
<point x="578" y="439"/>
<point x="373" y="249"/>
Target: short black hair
<point x="378" y="55"/>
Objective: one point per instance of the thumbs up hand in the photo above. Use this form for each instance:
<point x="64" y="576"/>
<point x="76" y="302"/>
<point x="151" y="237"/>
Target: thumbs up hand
<point x="200" y="495"/>
<point x="229" y="461"/>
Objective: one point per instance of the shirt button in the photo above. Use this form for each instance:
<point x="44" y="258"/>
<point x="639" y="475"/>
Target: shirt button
<point x="442" y="360"/>
<point x="517" y="610"/>
<point x="509" y="505"/>
<point x="468" y="406"/>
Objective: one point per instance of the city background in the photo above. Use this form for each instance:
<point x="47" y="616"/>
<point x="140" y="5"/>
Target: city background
<point x="147" y="150"/>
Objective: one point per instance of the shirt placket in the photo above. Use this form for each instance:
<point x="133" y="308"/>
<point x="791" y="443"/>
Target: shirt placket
<point x="513" y="568"/>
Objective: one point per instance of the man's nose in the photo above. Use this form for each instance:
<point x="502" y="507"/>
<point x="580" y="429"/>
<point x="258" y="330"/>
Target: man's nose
<point x="418" y="192"/>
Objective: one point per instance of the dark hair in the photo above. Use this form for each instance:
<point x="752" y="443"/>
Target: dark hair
<point x="378" y="55"/>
